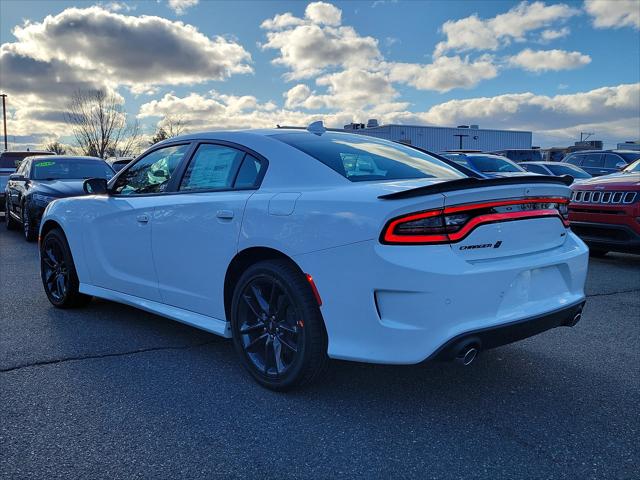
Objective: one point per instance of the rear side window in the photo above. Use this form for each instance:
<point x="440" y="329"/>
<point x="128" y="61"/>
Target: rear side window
<point x="213" y="167"/>
<point x="535" y="169"/>
<point x="361" y="158"/>
<point x="9" y="160"/>
<point x="249" y="172"/>
<point x="593" y="160"/>
<point x="612" y="161"/>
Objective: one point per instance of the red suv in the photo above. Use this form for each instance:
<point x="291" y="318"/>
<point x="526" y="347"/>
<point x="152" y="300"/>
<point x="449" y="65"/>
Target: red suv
<point x="605" y="211"/>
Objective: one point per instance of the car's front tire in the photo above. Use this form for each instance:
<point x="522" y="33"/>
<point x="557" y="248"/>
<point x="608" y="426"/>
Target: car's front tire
<point x="58" y="272"/>
<point x="10" y="222"/>
<point x="277" y="326"/>
<point x="28" y="228"/>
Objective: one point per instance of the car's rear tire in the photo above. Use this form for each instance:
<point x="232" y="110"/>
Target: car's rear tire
<point x="277" y="326"/>
<point x="10" y="223"/>
<point x="58" y="272"/>
<point x="598" y="252"/>
<point x="29" y="230"/>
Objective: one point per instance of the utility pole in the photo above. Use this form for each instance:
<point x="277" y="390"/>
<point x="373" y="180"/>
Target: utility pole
<point x="4" y="118"/>
<point x="459" y="135"/>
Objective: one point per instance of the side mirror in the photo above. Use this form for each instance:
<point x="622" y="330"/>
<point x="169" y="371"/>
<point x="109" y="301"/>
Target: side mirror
<point x="17" y="176"/>
<point x="95" y="186"/>
<point x="620" y="165"/>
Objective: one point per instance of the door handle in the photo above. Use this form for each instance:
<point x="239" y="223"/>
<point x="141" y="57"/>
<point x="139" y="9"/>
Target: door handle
<point x="226" y="214"/>
<point x="142" y="218"/>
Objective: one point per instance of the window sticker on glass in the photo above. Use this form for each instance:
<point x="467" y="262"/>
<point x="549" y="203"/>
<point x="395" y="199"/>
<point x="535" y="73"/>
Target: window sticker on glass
<point x="45" y="164"/>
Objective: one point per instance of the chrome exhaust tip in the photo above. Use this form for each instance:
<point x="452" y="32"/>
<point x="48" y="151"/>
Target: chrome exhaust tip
<point x="467" y="356"/>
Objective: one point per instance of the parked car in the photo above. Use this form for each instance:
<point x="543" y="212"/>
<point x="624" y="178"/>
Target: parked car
<point x="601" y="162"/>
<point x="9" y="162"/>
<point x="42" y="179"/>
<point x="487" y="164"/>
<point x="604" y="211"/>
<point x="555" y="168"/>
<point x="118" y="163"/>
<point x="304" y="245"/>
<point x="521" y="154"/>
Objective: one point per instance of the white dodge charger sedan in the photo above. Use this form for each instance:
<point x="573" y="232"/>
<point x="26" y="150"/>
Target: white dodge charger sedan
<point x="304" y="245"/>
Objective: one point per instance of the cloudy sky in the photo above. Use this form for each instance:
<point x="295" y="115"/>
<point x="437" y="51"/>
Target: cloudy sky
<point x="554" y="68"/>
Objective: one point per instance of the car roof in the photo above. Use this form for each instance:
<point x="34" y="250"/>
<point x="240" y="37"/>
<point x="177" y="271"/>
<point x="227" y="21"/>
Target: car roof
<point x="27" y="152"/>
<point x="65" y="157"/>
<point x="604" y="151"/>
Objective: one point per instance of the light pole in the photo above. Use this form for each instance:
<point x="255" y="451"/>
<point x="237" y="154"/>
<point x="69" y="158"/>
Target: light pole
<point x="4" y="118"/>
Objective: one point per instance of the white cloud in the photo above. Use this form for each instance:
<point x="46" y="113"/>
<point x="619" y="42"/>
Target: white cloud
<point x="181" y="6"/>
<point x="307" y="47"/>
<point x="445" y="73"/>
<point x="611" y="112"/>
<point x="528" y="111"/>
<point x="545" y="60"/>
<point x="474" y="33"/>
<point x="97" y="49"/>
<point x="144" y="49"/>
<point x="608" y="14"/>
<point x="323" y="13"/>
<point x="548" y="35"/>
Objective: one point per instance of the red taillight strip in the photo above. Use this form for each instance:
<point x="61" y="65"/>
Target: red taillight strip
<point x="390" y="237"/>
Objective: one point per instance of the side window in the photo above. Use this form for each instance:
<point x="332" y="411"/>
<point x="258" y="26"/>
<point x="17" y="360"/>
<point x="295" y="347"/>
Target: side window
<point x="611" y="160"/>
<point x="592" y="160"/>
<point x="535" y="169"/>
<point x="23" y="169"/>
<point x="151" y="174"/>
<point x="213" y="167"/>
<point x="249" y="172"/>
<point x="575" y="159"/>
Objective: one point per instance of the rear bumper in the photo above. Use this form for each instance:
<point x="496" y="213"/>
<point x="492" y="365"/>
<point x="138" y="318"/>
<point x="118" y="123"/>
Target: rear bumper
<point x="492" y="337"/>
<point x="610" y="236"/>
<point x="402" y="305"/>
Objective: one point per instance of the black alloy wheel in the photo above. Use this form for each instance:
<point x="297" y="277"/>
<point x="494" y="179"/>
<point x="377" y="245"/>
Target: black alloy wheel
<point x="10" y="222"/>
<point x="58" y="272"/>
<point x="28" y="228"/>
<point x="277" y="326"/>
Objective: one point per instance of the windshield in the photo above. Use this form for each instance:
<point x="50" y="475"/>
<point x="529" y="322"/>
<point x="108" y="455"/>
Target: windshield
<point x="568" y="169"/>
<point x="629" y="156"/>
<point x="494" y="163"/>
<point x="634" y="167"/>
<point x="360" y="158"/>
<point x="69" y="168"/>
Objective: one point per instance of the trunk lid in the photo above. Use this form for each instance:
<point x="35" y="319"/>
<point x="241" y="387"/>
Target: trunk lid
<point x="509" y="235"/>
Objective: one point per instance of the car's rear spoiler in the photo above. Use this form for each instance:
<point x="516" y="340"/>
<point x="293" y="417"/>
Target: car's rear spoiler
<point x="467" y="183"/>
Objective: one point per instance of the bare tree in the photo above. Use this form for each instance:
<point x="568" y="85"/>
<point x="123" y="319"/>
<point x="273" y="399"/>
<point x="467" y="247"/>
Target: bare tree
<point x="98" y="122"/>
<point x="130" y="144"/>
<point x="56" y="147"/>
<point x="170" y="126"/>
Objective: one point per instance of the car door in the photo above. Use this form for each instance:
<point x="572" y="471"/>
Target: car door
<point x="593" y="163"/>
<point x="196" y="230"/>
<point x="118" y="225"/>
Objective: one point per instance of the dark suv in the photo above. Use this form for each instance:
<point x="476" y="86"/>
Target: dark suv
<point x="602" y="162"/>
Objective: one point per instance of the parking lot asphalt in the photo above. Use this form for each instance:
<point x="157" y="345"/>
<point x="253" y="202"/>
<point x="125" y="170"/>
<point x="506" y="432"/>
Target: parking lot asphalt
<point x="108" y="391"/>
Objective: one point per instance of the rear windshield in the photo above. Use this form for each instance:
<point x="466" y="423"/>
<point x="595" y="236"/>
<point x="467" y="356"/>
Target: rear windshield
<point x="361" y="158"/>
<point x="491" y="163"/>
<point x="13" y="159"/>
<point x="69" y="168"/>
<point x="568" y="169"/>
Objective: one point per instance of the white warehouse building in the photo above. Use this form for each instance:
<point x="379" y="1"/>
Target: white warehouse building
<point x="438" y="139"/>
